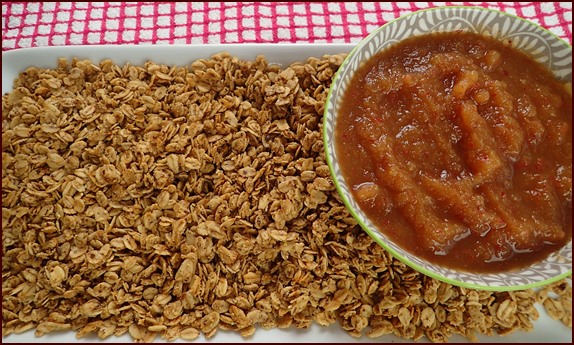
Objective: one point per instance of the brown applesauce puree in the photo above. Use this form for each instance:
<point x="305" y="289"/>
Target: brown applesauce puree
<point x="459" y="147"/>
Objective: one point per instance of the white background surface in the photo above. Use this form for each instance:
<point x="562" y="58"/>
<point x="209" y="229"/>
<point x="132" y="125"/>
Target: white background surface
<point x="15" y="61"/>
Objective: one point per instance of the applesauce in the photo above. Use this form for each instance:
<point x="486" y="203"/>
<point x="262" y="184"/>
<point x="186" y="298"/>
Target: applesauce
<point x="459" y="148"/>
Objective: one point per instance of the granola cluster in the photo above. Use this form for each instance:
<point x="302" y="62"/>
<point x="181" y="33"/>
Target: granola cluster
<point x="171" y="202"/>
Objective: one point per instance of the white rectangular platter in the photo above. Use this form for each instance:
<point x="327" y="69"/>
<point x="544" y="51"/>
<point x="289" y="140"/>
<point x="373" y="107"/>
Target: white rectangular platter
<point x="16" y="61"/>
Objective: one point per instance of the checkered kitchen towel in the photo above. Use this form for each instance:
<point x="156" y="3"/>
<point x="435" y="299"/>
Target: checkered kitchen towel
<point x="71" y="23"/>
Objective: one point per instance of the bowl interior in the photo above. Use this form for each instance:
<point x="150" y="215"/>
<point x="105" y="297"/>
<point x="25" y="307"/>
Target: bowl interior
<point x="543" y="46"/>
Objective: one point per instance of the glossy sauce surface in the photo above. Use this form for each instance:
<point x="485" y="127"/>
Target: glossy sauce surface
<point x="459" y="147"/>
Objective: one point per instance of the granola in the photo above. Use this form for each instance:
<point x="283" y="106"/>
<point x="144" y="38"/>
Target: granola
<point x="175" y="201"/>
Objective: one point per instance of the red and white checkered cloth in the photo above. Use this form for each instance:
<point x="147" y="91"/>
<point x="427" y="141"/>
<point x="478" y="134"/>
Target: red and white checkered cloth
<point x="36" y="24"/>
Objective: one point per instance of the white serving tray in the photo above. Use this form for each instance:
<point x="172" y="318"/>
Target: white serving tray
<point x="16" y="61"/>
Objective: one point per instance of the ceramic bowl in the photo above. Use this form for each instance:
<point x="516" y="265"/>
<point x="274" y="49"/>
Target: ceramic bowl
<point x="541" y="44"/>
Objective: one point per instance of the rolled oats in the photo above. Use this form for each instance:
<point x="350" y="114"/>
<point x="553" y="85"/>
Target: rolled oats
<point x="175" y="201"/>
<point x="557" y="300"/>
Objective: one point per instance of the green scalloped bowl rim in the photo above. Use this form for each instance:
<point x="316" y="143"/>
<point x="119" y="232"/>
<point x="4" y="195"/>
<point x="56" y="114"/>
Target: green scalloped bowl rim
<point x="369" y="231"/>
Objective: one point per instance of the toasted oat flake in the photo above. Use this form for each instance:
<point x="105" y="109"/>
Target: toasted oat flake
<point x="176" y="201"/>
